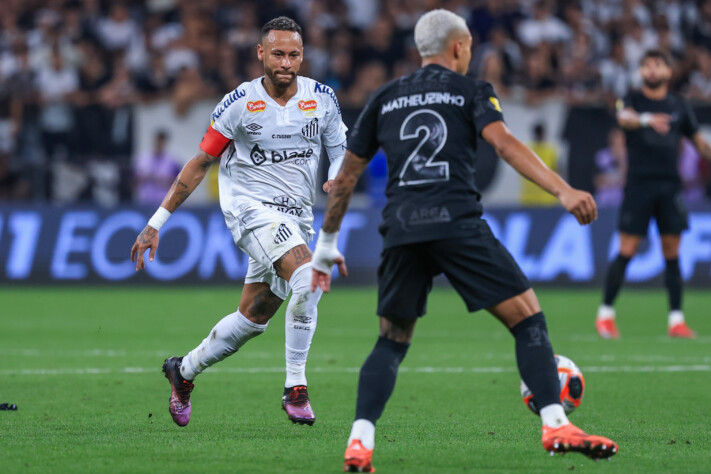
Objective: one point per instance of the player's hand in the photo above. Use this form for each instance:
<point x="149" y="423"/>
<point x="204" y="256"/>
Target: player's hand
<point x="579" y="203"/>
<point x="322" y="261"/>
<point x="327" y="186"/>
<point x="660" y="123"/>
<point x="147" y="239"/>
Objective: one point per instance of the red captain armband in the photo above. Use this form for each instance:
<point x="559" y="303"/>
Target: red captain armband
<point x="213" y="143"/>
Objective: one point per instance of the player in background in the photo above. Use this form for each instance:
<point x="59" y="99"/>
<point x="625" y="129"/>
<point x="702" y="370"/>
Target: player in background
<point x="427" y="123"/>
<point x="269" y="134"/>
<point x="654" y="121"/>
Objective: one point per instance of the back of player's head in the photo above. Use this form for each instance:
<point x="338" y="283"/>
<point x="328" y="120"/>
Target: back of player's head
<point x="655" y="54"/>
<point x="281" y="23"/>
<point x="435" y="28"/>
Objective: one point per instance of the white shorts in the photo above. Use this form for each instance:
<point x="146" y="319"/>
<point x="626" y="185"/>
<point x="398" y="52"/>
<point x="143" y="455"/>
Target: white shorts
<point x="265" y="236"/>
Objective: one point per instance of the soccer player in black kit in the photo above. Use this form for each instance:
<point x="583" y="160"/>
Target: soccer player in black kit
<point x="427" y="123"/>
<point x="655" y="121"/>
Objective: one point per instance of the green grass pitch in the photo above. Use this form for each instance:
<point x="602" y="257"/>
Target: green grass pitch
<point x="83" y="365"/>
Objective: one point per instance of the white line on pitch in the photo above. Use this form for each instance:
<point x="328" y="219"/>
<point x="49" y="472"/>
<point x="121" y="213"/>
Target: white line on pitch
<point x="344" y="370"/>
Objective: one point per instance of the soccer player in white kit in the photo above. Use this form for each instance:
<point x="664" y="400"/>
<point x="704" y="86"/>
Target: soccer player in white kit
<point x="268" y="135"/>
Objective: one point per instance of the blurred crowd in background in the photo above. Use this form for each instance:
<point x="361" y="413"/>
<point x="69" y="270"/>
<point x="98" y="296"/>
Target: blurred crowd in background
<point x="72" y="70"/>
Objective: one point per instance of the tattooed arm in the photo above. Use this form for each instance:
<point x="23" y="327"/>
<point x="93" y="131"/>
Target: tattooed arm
<point x="342" y="190"/>
<point x="326" y="253"/>
<point x="190" y="176"/>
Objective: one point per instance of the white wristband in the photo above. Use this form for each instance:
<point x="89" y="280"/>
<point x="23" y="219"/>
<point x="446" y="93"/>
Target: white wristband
<point x="159" y="218"/>
<point x="645" y="119"/>
<point x="327" y="240"/>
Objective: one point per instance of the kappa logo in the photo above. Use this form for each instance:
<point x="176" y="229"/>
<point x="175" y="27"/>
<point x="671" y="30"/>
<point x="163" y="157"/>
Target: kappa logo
<point x="256" y="106"/>
<point x="282" y="234"/>
<point x="308" y="105"/>
<point x="310" y="130"/>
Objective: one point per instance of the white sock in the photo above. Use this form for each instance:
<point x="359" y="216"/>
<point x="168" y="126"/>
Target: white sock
<point x="231" y="333"/>
<point x="675" y="317"/>
<point x="554" y="416"/>
<point x="605" y="312"/>
<point x="300" y="325"/>
<point x="363" y="430"/>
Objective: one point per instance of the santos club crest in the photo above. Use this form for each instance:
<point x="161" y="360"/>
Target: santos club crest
<point x="310" y="130"/>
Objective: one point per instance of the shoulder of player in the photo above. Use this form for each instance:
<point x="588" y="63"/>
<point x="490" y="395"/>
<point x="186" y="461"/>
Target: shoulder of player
<point x="315" y="89"/>
<point x="237" y="95"/>
<point x="477" y="87"/>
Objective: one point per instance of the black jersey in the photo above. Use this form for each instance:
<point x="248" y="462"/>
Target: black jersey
<point x="652" y="155"/>
<point x="427" y="124"/>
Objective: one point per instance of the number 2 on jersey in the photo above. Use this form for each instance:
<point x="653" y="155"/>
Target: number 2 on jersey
<point x="420" y="167"/>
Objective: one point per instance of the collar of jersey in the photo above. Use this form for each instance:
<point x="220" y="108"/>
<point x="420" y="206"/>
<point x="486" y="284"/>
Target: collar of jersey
<point x="265" y="95"/>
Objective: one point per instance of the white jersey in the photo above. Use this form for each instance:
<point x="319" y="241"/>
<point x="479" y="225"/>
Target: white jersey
<point x="273" y="159"/>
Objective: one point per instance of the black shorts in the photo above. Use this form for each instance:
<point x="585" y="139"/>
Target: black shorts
<point x="479" y="268"/>
<point x="662" y="200"/>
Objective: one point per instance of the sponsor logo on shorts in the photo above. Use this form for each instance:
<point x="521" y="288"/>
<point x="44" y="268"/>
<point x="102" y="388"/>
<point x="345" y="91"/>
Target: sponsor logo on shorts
<point x="252" y="129"/>
<point x="410" y="217"/>
<point x="282" y="234"/>
<point x="308" y="105"/>
<point x="286" y="204"/>
<point x="298" y="157"/>
<point x="256" y="106"/>
<point x="310" y="130"/>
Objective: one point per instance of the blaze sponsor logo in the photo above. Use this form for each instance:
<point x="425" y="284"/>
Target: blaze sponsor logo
<point x="299" y="157"/>
<point x="286" y="204"/>
<point x="256" y="106"/>
<point x="281" y="233"/>
<point x="257" y="155"/>
<point x="307" y="105"/>
<point x="232" y="98"/>
<point x="310" y="130"/>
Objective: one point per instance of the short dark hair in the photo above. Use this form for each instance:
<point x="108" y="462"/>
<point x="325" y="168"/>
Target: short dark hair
<point x="281" y="23"/>
<point x="656" y="54"/>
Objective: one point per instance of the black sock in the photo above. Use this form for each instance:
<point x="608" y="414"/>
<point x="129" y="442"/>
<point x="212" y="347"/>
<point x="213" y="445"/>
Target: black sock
<point x="377" y="378"/>
<point x="536" y="363"/>
<point x="615" y="277"/>
<point x="673" y="282"/>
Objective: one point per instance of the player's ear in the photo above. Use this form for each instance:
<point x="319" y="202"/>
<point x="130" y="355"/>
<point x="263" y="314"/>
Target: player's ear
<point x="260" y="52"/>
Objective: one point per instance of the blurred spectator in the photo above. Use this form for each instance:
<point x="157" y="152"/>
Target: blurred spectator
<point x="700" y="80"/>
<point x="155" y="172"/>
<point x="12" y="186"/>
<point x="543" y="27"/>
<point x="538" y="83"/>
<point x="368" y="79"/>
<point x="118" y="30"/>
<point x="690" y="172"/>
<point x="531" y="194"/>
<point x="56" y="83"/>
<point x="614" y="75"/>
<point x="611" y="164"/>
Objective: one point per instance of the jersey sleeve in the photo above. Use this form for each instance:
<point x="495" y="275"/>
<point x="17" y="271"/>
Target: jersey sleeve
<point x="487" y="108"/>
<point x="222" y="125"/>
<point x="689" y="124"/>
<point x="363" y="141"/>
<point x="334" y="132"/>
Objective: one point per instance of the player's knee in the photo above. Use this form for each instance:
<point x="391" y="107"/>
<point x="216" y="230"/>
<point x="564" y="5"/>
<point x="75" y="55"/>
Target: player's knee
<point x="262" y="308"/>
<point x="397" y="329"/>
